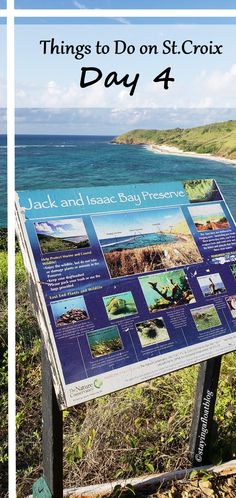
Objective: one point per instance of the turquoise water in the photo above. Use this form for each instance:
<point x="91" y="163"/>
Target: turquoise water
<point x="68" y="161"/>
<point x="148" y="239"/>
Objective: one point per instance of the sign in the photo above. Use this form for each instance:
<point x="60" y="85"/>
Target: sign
<point x="132" y="282"/>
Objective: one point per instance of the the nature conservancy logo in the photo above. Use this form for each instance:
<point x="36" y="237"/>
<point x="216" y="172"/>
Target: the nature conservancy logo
<point x="98" y="383"/>
<point x="85" y="389"/>
<point x="204" y="426"/>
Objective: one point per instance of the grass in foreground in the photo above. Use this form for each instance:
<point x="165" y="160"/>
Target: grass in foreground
<point x="136" y="431"/>
<point x="153" y="258"/>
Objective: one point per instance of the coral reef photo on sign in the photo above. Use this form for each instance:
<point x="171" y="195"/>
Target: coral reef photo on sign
<point x="69" y="311"/>
<point x="147" y="241"/>
<point x="166" y="290"/>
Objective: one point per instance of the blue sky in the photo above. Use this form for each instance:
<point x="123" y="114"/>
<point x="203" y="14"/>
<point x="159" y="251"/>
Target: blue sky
<point x="62" y="228"/>
<point x="110" y="121"/>
<point x="2" y="4"/>
<point x="141" y="222"/>
<point x="3" y="67"/>
<point x="46" y="108"/>
<point x="123" y="4"/>
<point x="53" y="81"/>
<point x="124" y="20"/>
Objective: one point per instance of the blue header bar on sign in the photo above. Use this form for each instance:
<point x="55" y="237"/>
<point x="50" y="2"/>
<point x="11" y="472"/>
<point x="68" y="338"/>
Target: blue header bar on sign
<point x="44" y="203"/>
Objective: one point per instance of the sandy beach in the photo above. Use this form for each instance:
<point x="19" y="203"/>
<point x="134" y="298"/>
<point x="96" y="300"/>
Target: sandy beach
<point x="170" y="150"/>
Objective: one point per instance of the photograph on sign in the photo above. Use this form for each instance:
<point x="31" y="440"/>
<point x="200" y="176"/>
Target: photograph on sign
<point x="211" y="285"/>
<point x="134" y="280"/>
<point x="61" y="235"/>
<point x="147" y="241"/>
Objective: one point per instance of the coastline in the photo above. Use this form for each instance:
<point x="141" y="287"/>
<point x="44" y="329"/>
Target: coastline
<point x="170" y="150"/>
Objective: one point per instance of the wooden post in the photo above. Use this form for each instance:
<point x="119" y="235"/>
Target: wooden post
<point x="203" y="427"/>
<point x="51" y="484"/>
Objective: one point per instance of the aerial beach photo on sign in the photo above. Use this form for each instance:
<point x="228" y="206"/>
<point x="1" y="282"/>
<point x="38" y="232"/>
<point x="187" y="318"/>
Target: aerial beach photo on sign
<point x="202" y="190"/>
<point x="150" y="240"/>
<point x="61" y="235"/>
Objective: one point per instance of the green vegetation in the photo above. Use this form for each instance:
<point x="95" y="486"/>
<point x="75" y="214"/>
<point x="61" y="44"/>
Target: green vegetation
<point x="135" y="431"/>
<point x="3" y="363"/>
<point x="105" y="347"/>
<point x="151" y="258"/>
<point x="206" y="318"/>
<point x="218" y="139"/>
<point x="200" y="190"/>
<point x="54" y="244"/>
<point x="233" y="269"/>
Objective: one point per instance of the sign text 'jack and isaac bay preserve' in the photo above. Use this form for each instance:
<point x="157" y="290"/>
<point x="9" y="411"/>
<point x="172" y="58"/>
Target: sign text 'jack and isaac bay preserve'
<point x="130" y="282"/>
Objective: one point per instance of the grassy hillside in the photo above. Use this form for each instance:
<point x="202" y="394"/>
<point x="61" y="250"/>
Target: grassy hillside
<point x="218" y="139"/>
<point x="54" y="244"/>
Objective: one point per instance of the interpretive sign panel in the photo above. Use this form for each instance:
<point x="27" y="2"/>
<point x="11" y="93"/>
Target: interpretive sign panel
<point x="131" y="281"/>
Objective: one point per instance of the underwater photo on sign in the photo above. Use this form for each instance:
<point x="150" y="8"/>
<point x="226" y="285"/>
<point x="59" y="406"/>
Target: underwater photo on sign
<point x="120" y="305"/>
<point x="166" y="290"/>
<point x="104" y="341"/>
<point x="152" y="332"/>
<point x="69" y="311"/>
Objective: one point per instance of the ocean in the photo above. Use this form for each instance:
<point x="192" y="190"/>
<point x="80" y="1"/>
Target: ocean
<point x="69" y="161"/>
<point x="144" y="240"/>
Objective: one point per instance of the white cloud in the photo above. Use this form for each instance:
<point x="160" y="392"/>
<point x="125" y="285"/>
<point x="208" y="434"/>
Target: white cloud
<point x="43" y="227"/>
<point x="55" y="96"/>
<point x="121" y="20"/>
<point x="61" y="230"/>
<point x="79" y="5"/>
<point x="220" y="81"/>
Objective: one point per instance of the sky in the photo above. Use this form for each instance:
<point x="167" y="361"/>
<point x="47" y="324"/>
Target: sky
<point x="92" y="121"/>
<point x="123" y="4"/>
<point x="3" y="67"/>
<point x="210" y="210"/>
<point x="53" y="81"/>
<point x="49" y="100"/>
<point x="142" y="222"/>
<point x="62" y="228"/>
